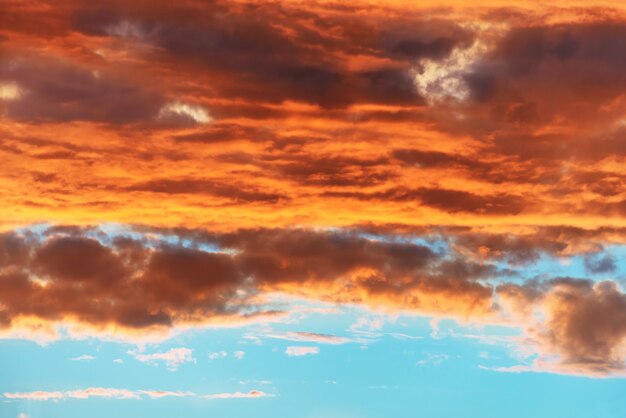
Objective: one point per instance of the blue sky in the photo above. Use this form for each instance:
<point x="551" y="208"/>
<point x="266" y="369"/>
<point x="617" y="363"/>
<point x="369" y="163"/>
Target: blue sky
<point x="403" y="365"/>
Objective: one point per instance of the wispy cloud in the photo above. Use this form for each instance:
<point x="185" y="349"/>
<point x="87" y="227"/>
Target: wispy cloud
<point x="308" y="337"/>
<point x="433" y="359"/>
<point x="84" y="357"/>
<point x="297" y="351"/>
<point x="237" y="395"/>
<point x="172" y="358"/>
<point x="218" y="355"/>
<point x="115" y="393"/>
<point x="164" y="393"/>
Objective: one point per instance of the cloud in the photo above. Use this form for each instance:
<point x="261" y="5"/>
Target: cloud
<point x="239" y="355"/>
<point x="298" y="351"/>
<point x="309" y="337"/>
<point x="73" y="394"/>
<point x="217" y="355"/>
<point x="450" y="277"/>
<point x="188" y="285"/>
<point x="196" y="113"/>
<point x="114" y="393"/>
<point x="157" y="394"/>
<point x="237" y="395"/>
<point x="34" y="396"/>
<point x="172" y="358"/>
<point x="101" y="393"/>
<point x="599" y="265"/>
<point x="438" y="80"/>
<point x="10" y="91"/>
<point x="84" y="357"/>
<point x="49" y="89"/>
<point x="433" y="359"/>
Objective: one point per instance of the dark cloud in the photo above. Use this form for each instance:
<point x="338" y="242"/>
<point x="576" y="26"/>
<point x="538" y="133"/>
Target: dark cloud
<point x="451" y="201"/>
<point x="162" y="278"/>
<point x="60" y="91"/>
<point x="586" y="325"/>
<point x="209" y="187"/>
<point x="258" y="57"/>
<point x="97" y="280"/>
<point x="600" y="264"/>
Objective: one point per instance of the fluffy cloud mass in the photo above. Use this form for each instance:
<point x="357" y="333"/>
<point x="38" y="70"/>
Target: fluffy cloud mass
<point x="82" y="278"/>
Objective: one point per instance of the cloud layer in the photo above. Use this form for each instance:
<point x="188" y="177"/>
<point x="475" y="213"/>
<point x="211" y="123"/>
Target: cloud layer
<point x="402" y="158"/>
<point x="82" y="278"/>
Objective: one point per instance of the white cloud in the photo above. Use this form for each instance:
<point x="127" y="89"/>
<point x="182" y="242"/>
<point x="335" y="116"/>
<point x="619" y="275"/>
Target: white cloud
<point x="22" y="415"/>
<point x="102" y="393"/>
<point x="76" y="394"/>
<point x="38" y="395"/>
<point x="301" y="351"/>
<point x="118" y="361"/>
<point x="239" y="354"/>
<point x="217" y="355"/>
<point x="309" y="337"/>
<point x="437" y="80"/>
<point x="114" y="393"/>
<point x="434" y="359"/>
<point x="84" y="357"/>
<point x="237" y="395"/>
<point x="10" y="91"/>
<point x="197" y="113"/>
<point x="157" y="394"/>
<point x="172" y="358"/>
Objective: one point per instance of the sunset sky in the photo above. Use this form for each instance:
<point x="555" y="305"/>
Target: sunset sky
<point x="312" y="209"/>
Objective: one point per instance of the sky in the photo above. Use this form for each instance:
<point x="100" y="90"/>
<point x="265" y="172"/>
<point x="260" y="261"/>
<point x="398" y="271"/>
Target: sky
<point x="312" y="209"/>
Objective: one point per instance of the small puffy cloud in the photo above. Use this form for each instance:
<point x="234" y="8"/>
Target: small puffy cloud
<point x="217" y="355"/>
<point x="118" y="361"/>
<point x="172" y="358"/>
<point x="297" y="351"/>
<point x="197" y="113"/>
<point x="84" y="357"/>
<point x="22" y="415"/>
<point x="239" y="354"/>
